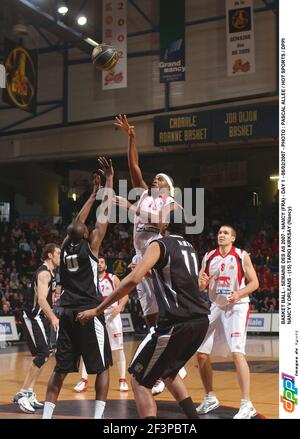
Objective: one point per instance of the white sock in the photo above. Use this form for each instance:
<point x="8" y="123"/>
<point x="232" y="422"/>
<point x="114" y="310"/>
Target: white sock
<point x="29" y="390"/>
<point x="84" y="373"/>
<point x="182" y="373"/>
<point x="121" y="363"/>
<point x="48" y="410"/>
<point x="99" y="409"/>
<point x="211" y="395"/>
<point x="245" y="401"/>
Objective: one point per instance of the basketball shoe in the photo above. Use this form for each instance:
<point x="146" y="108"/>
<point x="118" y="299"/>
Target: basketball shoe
<point x="81" y="385"/>
<point x="246" y="411"/>
<point x="123" y="385"/>
<point x="22" y="399"/>
<point x="158" y="387"/>
<point x="208" y="404"/>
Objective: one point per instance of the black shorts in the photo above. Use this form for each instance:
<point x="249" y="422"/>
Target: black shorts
<point x="166" y="349"/>
<point x="91" y="341"/>
<point x="36" y="330"/>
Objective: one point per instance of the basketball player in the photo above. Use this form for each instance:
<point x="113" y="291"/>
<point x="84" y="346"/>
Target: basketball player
<point x="153" y="205"/>
<point x="37" y="314"/>
<point x="181" y="324"/>
<point x="78" y="273"/>
<point x="107" y="282"/>
<point x="225" y="270"/>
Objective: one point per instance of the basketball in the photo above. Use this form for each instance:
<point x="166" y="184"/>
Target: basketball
<point x="104" y="57"/>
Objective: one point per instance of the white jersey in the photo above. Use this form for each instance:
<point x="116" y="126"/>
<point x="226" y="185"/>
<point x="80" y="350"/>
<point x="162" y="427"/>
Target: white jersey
<point x="227" y="275"/>
<point x="106" y="287"/>
<point x="143" y="233"/>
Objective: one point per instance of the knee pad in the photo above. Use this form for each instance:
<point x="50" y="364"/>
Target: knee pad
<point x="40" y="359"/>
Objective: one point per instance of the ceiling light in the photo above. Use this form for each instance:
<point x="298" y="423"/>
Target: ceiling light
<point x="63" y="10"/>
<point x="82" y="20"/>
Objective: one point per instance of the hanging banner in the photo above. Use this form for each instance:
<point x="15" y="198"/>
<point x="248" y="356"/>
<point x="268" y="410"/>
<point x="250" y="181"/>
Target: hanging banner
<point x="234" y="123"/>
<point x="21" y="77"/>
<point x="172" y="40"/>
<point x="240" y="37"/>
<point x="114" y="32"/>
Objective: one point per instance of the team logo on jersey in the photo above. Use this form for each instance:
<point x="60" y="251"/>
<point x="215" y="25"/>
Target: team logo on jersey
<point x="231" y="267"/>
<point x="138" y="367"/>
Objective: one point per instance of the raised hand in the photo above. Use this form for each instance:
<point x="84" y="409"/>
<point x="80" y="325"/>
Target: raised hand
<point x="96" y="183"/>
<point x="106" y="167"/>
<point x="121" y="202"/>
<point x="122" y="122"/>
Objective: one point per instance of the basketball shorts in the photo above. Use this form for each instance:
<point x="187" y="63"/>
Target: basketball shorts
<point x="91" y="341"/>
<point x="145" y="292"/>
<point x="166" y="349"/>
<point x="227" y="330"/>
<point x="36" y="331"/>
<point x="115" y="332"/>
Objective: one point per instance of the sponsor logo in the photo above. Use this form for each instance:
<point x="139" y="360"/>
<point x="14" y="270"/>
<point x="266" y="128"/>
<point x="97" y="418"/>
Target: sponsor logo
<point x="5" y="328"/>
<point x="257" y="322"/>
<point x="288" y="398"/>
<point x="113" y="77"/>
<point x="138" y="367"/>
<point x="231" y="267"/>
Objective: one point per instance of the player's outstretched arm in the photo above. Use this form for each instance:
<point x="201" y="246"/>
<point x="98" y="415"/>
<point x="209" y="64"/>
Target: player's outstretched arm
<point x="132" y="153"/>
<point x="126" y="286"/>
<point x="252" y="284"/>
<point x="99" y="231"/>
<point x="86" y="208"/>
<point x="43" y="280"/>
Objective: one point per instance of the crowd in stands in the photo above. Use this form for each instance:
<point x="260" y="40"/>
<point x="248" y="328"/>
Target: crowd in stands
<point x="21" y="244"/>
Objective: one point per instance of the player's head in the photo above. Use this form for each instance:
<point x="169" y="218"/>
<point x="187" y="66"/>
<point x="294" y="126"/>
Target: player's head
<point x="102" y="267"/>
<point x="174" y="223"/>
<point x="77" y="231"/>
<point x="163" y="182"/>
<point x="51" y="253"/>
<point x="226" y="235"/>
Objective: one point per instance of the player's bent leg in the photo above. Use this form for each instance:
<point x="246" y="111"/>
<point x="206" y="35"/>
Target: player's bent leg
<point x="177" y="388"/>
<point x="159" y="386"/>
<point x="145" y="403"/>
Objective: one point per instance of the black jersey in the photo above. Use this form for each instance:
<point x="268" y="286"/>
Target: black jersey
<point x="31" y="306"/>
<point x="175" y="278"/>
<point x="78" y="276"/>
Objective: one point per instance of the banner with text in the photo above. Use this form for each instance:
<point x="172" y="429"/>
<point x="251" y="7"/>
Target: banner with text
<point x="114" y="32"/>
<point x="172" y="40"/>
<point x="289" y="221"/>
<point x="236" y="123"/>
<point x="240" y="37"/>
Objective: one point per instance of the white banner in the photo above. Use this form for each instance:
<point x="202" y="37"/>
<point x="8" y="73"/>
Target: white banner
<point x="127" y="322"/>
<point x="8" y="329"/>
<point x="240" y="37"/>
<point x="114" y="25"/>
<point x="259" y="322"/>
<point x="289" y="219"/>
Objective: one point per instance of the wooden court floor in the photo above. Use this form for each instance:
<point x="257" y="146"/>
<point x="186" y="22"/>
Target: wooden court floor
<point x="264" y="379"/>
